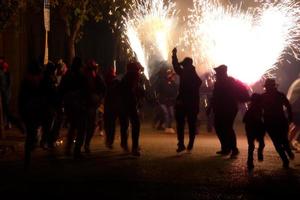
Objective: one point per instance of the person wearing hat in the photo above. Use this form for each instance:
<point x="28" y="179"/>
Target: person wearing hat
<point x="224" y="103"/>
<point x="276" y="122"/>
<point x="129" y="96"/>
<point x="188" y="99"/>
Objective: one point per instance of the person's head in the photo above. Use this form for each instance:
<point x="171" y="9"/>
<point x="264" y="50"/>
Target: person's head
<point x="221" y="71"/>
<point x="270" y="84"/>
<point x="34" y="68"/>
<point x="61" y="67"/>
<point x="187" y="63"/>
<point x="133" y="70"/>
<point x="92" y="65"/>
<point x="50" y="68"/>
<point x="76" y="64"/>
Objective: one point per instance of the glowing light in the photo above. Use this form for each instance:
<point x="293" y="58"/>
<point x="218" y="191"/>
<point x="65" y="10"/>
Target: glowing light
<point x="149" y="29"/>
<point x="249" y="42"/>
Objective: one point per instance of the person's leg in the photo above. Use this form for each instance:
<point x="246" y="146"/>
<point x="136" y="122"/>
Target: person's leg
<point x="251" y="146"/>
<point x="284" y="129"/>
<point x="58" y="119"/>
<point x="192" y="122"/>
<point x="70" y="138"/>
<point x="180" y="117"/>
<point x="231" y="133"/>
<point x="81" y="133"/>
<point x="261" y="144"/>
<point x="135" y="124"/>
<point x="47" y="123"/>
<point x="171" y="115"/>
<point x="90" y="128"/>
<point x="273" y="133"/>
<point x="124" y="124"/>
<point x="30" y="142"/>
<point x="164" y="109"/>
<point x="109" y="126"/>
<point x="219" y="124"/>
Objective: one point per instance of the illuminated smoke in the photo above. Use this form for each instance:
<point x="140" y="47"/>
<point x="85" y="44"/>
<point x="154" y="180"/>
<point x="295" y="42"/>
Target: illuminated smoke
<point x="249" y="42"/>
<point x="149" y="28"/>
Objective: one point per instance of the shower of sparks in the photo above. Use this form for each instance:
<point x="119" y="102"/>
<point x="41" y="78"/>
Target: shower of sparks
<point x="250" y="42"/>
<point x="149" y="29"/>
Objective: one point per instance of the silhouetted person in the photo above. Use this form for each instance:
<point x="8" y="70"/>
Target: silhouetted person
<point x="60" y="71"/>
<point x="31" y="105"/>
<point x="130" y="94"/>
<point x="48" y="85"/>
<point x="277" y="124"/>
<point x="72" y="95"/>
<point x="159" y="118"/>
<point x="188" y="99"/>
<point x="226" y="96"/>
<point x="5" y="90"/>
<point x="167" y="93"/>
<point x="255" y="129"/>
<point x="93" y="92"/>
<point x="111" y="107"/>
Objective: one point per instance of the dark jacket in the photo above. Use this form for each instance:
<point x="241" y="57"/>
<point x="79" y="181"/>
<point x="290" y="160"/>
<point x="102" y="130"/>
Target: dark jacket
<point x="227" y="94"/>
<point x="189" y="86"/>
<point x="273" y="107"/>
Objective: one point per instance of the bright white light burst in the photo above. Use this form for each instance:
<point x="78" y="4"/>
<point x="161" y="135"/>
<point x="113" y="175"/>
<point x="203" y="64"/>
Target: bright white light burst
<point x="149" y="29"/>
<point x="249" y="42"/>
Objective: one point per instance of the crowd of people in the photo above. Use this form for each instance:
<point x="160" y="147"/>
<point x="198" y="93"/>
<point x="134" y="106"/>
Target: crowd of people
<point x="82" y="97"/>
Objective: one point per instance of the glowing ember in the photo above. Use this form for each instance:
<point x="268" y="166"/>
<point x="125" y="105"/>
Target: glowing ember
<point x="249" y="42"/>
<point x="149" y="29"/>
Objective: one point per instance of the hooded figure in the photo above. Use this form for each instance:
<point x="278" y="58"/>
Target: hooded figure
<point x="188" y="99"/>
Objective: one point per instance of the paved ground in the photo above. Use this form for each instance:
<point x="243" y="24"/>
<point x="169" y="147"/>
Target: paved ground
<point x="158" y="174"/>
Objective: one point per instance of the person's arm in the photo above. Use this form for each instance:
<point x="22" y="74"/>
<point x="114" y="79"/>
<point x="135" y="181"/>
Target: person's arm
<point x="175" y="62"/>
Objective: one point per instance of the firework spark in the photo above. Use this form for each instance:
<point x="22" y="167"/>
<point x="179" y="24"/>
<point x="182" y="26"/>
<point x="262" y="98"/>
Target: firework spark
<point x="149" y="29"/>
<point x="250" y="42"/>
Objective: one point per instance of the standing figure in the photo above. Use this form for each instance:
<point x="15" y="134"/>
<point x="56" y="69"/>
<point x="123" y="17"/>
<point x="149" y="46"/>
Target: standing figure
<point x="187" y="102"/>
<point x="93" y="92"/>
<point x="111" y="108"/>
<point x="71" y="93"/>
<point x="226" y="96"/>
<point x="51" y="99"/>
<point x="5" y="90"/>
<point x="129" y="95"/>
<point x="31" y="107"/>
<point x="276" y="122"/>
<point x="255" y="129"/>
<point x="167" y="93"/>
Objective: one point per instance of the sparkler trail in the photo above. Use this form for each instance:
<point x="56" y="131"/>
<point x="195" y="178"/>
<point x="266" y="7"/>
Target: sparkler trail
<point x="149" y="29"/>
<point x="250" y="42"/>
